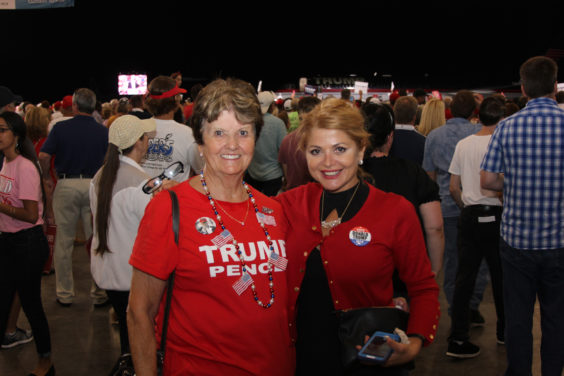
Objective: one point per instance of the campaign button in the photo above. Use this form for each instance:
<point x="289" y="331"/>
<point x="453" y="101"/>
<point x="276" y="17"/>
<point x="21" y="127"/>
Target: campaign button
<point x="360" y="236"/>
<point x="205" y="225"/>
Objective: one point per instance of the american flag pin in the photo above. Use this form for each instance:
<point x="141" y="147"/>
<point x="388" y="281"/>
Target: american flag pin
<point x="266" y="219"/>
<point x="242" y="283"/>
<point x="278" y="261"/>
<point x="223" y="238"/>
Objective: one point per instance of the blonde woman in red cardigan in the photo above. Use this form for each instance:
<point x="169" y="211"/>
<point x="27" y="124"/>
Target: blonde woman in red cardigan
<point x="345" y="239"/>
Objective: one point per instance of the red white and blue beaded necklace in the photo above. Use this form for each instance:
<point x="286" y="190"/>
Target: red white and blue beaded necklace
<point x="274" y="260"/>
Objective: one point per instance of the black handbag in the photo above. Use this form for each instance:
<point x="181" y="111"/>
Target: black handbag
<point x="124" y="366"/>
<point x="355" y="324"/>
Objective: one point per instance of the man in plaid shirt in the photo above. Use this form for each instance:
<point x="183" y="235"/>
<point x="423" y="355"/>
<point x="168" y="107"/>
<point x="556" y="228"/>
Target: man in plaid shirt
<point x="525" y="159"/>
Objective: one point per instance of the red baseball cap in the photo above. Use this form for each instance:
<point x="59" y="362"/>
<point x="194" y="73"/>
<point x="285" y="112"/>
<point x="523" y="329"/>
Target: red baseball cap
<point x="67" y="101"/>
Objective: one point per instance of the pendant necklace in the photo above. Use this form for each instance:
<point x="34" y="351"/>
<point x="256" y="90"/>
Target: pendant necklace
<point x="335" y="222"/>
<point x="274" y="260"/>
<point x="242" y="223"/>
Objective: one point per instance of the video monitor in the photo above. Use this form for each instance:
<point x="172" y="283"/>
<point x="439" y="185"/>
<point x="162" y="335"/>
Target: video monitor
<point x="132" y="84"/>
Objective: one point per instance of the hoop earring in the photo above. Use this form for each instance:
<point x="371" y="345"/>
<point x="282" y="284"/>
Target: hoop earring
<point x="360" y="163"/>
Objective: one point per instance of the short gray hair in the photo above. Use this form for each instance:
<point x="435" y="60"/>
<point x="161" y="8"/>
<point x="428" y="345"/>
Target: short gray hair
<point x="85" y="100"/>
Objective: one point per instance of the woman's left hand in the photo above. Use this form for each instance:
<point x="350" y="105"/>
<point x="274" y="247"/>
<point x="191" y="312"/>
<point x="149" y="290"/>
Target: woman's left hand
<point x="403" y="352"/>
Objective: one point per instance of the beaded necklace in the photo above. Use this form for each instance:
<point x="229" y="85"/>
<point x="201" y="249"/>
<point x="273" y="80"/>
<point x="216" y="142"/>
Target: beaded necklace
<point x="273" y="260"/>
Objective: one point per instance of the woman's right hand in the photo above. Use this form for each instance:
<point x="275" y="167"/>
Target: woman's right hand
<point x="403" y="352"/>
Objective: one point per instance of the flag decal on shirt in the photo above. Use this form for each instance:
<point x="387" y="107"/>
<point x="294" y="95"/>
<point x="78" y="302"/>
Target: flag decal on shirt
<point x="266" y="219"/>
<point x="242" y="283"/>
<point x="222" y="239"/>
<point x="278" y="261"/>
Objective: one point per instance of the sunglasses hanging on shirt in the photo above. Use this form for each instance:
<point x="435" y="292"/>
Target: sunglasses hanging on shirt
<point x="170" y="172"/>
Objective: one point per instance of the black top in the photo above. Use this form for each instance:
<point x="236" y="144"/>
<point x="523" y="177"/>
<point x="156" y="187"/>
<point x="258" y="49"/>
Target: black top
<point x="404" y="178"/>
<point x="318" y="347"/>
<point x="340" y="200"/>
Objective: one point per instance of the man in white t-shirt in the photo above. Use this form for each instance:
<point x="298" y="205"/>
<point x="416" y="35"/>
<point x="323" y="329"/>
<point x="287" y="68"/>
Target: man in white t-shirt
<point x="478" y="234"/>
<point x="174" y="142"/>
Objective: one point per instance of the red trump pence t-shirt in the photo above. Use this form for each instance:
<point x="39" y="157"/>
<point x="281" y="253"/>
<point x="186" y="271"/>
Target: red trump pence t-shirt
<point x="212" y="329"/>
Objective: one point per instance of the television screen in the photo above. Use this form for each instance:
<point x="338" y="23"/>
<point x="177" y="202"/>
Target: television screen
<point x="132" y="84"/>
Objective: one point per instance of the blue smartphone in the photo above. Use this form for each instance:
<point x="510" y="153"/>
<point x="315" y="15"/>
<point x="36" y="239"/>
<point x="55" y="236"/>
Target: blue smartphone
<point x="376" y="350"/>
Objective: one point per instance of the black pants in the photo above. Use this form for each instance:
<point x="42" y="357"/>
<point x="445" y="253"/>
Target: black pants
<point x="119" y="300"/>
<point x="22" y="256"/>
<point x="478" y="238"/>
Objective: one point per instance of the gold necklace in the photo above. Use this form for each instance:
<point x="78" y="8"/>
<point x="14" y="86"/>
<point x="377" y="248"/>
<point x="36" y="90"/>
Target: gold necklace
<point x="337" y="221"/>
<point x="242" y="223"/>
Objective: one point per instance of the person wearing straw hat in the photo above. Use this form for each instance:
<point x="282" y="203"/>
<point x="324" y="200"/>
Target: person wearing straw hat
<point x="118" y="203"/>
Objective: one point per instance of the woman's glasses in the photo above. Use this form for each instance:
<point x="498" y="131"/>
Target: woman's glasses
<point x="171" y="171"/>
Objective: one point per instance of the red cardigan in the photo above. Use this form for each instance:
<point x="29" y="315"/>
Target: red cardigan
<point x="361" y="275"/>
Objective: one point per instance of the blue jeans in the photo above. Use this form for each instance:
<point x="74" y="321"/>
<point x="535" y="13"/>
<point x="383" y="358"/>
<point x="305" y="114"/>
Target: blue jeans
<point x="450" y="266"/>
<point x="526" y="275"/>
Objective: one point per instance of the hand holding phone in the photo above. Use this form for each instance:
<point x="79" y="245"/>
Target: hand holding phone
<point x="377" y="350"/>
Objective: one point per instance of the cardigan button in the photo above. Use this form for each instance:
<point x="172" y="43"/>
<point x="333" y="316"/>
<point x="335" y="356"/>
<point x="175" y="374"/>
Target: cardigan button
<point x="305" y="254"/>
<point x="331" y="282"/>
<point x="326" y="262"/>
<point x="302" y="270"/>
<point x="296" y="289"/>
<point x="314" y="228"/>
<point x="431" y="336"/>
<point x="336" y="302"/>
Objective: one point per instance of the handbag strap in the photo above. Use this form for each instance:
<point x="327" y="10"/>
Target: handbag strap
<point x="175" y="229"/>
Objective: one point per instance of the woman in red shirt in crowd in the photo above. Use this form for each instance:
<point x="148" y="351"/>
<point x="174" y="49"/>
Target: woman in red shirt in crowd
<point x="228" y="312"/>
<point x="345" y="239"/>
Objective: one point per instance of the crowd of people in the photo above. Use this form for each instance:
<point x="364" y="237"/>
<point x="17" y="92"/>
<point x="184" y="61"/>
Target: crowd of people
<point x="293" y="214"/>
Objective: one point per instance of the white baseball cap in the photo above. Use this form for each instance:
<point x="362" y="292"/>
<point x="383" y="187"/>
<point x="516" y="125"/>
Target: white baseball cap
<point x="127" y="129"/>
<point x="265" y="98"/>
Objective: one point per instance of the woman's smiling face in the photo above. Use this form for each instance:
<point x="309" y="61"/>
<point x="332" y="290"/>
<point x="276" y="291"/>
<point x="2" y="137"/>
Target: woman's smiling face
<point x="228" y="145"/>
<point x="332" y="158"/>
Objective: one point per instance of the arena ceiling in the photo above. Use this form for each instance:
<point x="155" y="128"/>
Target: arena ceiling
<point x="52" y="52"/>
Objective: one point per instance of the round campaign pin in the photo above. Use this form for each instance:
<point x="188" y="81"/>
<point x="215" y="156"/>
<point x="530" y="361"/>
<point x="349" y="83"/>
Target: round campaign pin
<point x="360" y="236"/>
<point x="205" y="225"/>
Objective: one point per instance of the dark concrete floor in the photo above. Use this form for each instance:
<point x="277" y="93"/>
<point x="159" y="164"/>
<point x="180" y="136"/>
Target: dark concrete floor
<point x="86" y="343"/>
